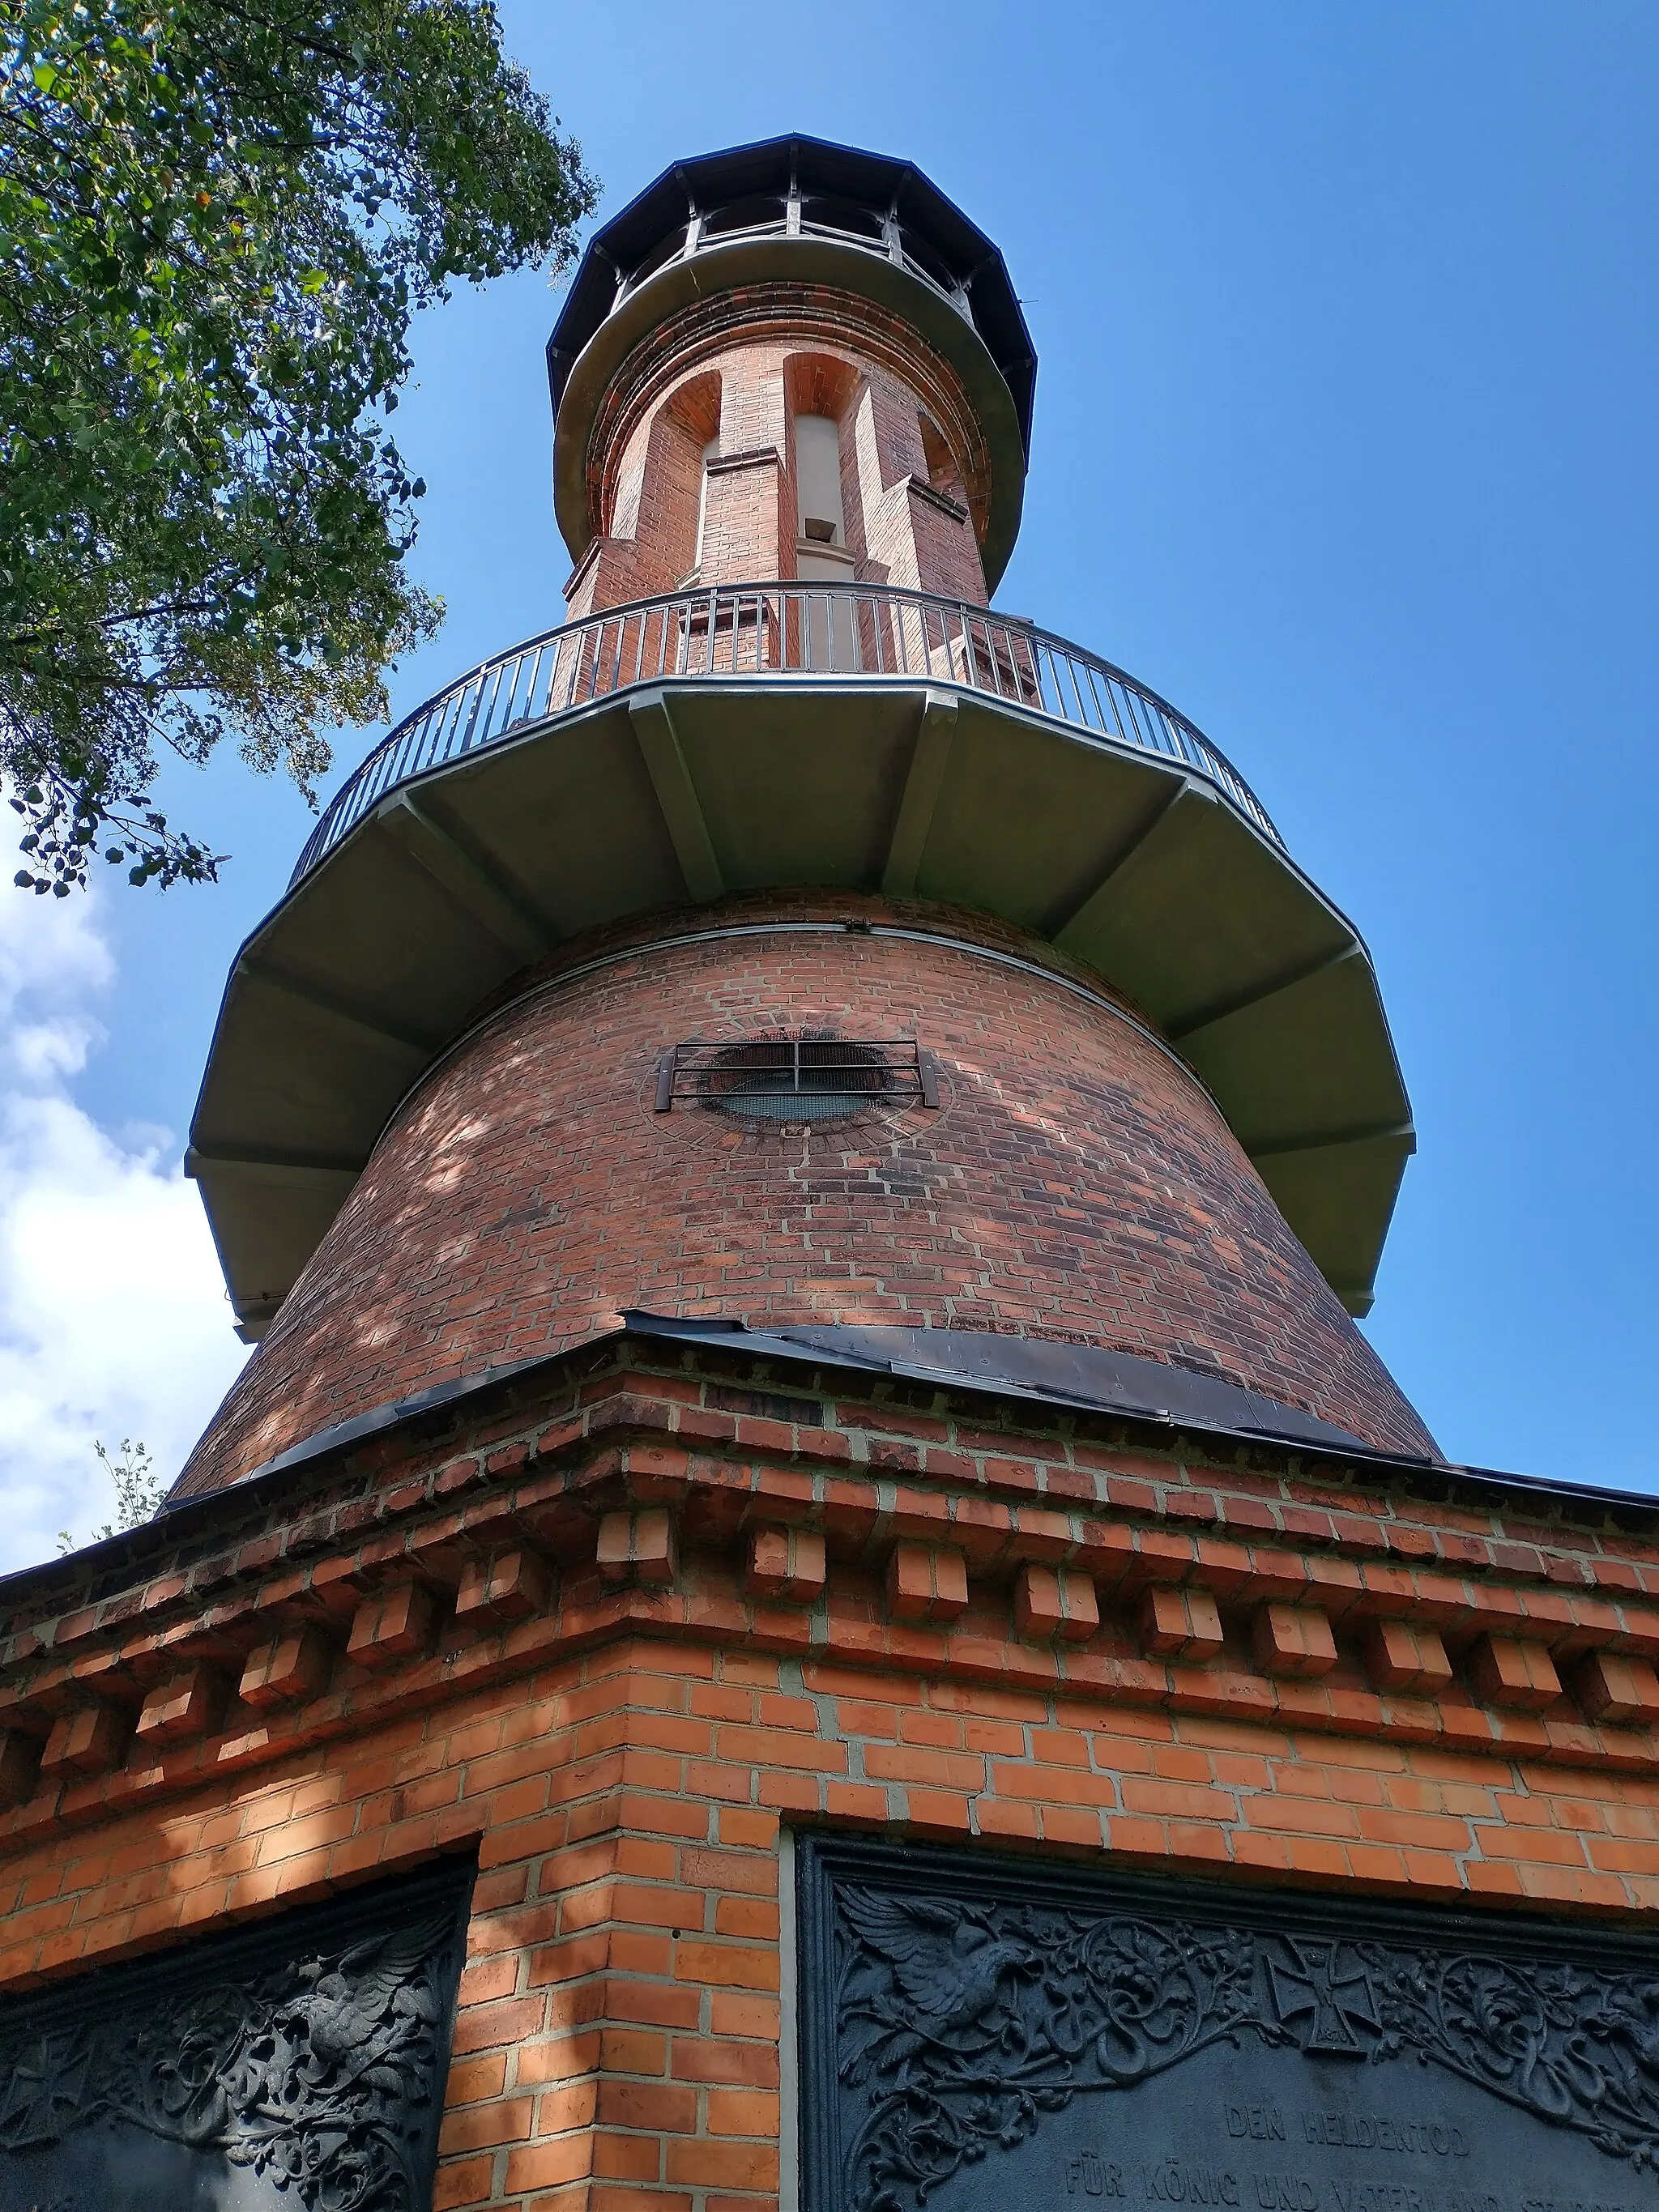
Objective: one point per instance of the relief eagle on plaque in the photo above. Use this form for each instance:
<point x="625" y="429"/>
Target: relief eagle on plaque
<point x="958" y="2023"/>
<point x="305" y="2070"/>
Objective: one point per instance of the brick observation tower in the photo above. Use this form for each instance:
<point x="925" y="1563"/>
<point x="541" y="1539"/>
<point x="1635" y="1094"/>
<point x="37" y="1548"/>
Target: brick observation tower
<point x="788" y="940"/>
<point x="809" y="1522"/>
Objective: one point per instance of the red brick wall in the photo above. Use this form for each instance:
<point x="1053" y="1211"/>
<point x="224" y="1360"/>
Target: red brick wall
<point x="909" y="539"/>
<point x="1077" y="1181"/>
<point x="770" y="353"/>
<point x="664" y="1612"/>
<point x="617" y="2037"/>
<point x="750" y="530"/>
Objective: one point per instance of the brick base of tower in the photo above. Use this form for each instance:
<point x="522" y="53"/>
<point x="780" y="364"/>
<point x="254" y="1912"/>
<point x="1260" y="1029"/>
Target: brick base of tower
<point x="619" y="1626"/>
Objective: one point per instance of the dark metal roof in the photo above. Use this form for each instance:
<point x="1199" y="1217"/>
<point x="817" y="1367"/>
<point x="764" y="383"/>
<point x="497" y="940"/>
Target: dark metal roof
<point x="101" y="1569"/>
<point x="941" y="245"/>
<point x="1043" y="1367"/>
<point x="114" y="1560"/>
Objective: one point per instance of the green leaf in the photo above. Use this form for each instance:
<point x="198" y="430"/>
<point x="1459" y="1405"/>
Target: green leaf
<point x="223" y="226"/>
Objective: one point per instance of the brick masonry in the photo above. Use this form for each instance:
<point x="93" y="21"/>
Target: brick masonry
<point x="1076" y="1181"/>
<point x="738" y="368"/>
<point x="615" y="1624"/>
<point x="646" y="1611"/>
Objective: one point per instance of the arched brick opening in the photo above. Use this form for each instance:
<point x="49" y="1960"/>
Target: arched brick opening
<point x="821" y="388"/>
<point x="660" y="498"/>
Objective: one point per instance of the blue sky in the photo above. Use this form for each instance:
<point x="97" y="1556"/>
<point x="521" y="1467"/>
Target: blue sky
<point x="1344" y="441"/>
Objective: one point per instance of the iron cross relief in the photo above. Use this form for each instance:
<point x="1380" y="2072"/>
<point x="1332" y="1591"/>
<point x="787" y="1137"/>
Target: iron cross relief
<point x="1315" y="1984"/>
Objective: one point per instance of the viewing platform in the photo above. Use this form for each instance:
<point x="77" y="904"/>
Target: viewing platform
<point x="720" y="741"/>
<point x="800" y="362"/>
<point x="875" y="633"/>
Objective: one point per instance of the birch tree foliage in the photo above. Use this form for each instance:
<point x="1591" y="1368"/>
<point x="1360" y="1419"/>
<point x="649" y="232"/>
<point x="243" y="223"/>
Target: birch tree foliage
<point x="217" y="218"/>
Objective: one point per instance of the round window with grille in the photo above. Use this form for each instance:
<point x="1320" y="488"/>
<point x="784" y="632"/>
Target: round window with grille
<point x="778" y="1080"/>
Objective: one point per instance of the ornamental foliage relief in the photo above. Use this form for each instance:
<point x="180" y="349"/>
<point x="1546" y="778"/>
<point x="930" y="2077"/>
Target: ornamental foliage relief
<point x="960" y="2025"/>
<point x="320" y="2073"/>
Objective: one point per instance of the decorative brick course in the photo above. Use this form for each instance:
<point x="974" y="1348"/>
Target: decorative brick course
<point x="1146" y="1533"/>
<point x="788" y="1563"/>
<point x="1515" y="1673"/>
<point x="1294" y="1640"/>
<point x="622" y="1757"/>
<point x="1401" y="1657"/>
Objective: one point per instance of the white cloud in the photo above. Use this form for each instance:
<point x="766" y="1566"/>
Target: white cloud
<point x="113" y="1316"/>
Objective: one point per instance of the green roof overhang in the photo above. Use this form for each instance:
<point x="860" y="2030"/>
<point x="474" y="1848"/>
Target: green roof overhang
<point x="686" y="790"/>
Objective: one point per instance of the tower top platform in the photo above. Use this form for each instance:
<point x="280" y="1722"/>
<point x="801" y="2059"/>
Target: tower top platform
<point x="801" y="211"/>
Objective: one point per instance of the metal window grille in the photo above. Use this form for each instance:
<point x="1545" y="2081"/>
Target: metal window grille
<point x="802" y="1077"/>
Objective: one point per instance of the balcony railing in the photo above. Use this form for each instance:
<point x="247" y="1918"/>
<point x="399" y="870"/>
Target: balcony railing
<point x="809" y="215"/>
<point x="871" y="632"/>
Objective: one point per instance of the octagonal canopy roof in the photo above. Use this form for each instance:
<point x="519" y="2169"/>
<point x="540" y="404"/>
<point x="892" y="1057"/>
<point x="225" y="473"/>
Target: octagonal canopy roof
<point x="839" y="193"/>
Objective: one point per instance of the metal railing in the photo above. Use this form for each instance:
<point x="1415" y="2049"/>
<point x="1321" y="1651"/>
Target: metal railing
<point x="805" y="216"/>
<point x="873" y="632"/>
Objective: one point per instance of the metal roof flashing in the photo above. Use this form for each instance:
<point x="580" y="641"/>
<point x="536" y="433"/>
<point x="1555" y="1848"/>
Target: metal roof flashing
<point x="810" y="1346"/>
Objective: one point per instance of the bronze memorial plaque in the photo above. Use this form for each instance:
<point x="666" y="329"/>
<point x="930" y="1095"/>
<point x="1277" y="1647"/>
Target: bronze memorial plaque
<point x="984" y="2035"/>
<point x="296" y="2066"/>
